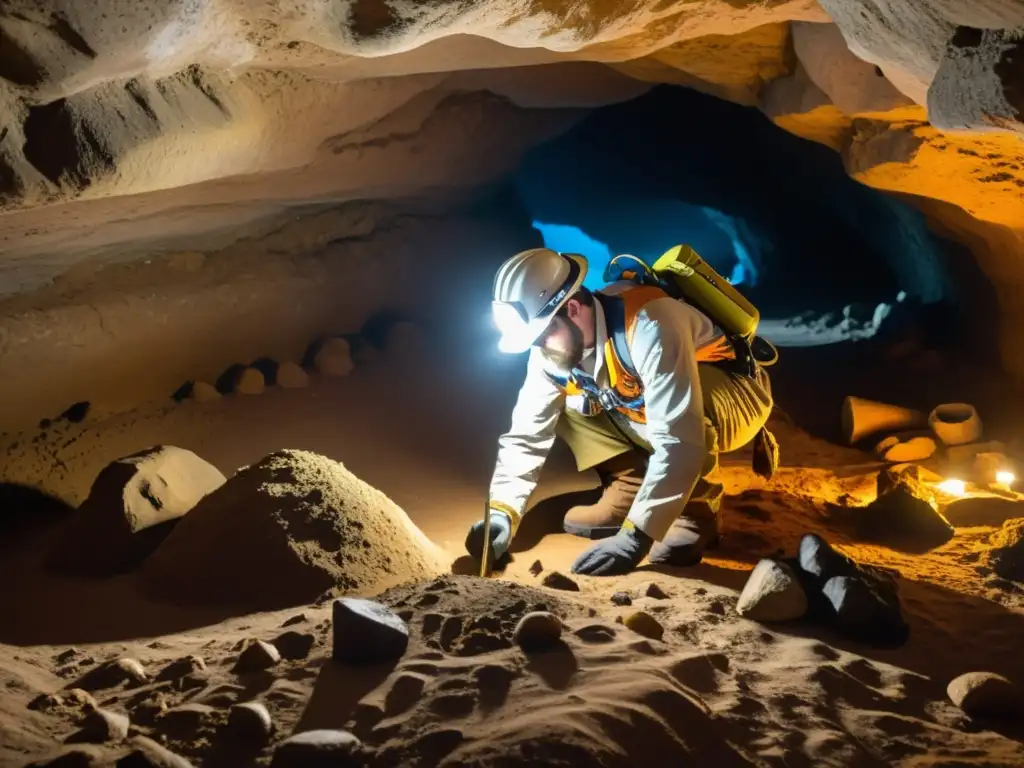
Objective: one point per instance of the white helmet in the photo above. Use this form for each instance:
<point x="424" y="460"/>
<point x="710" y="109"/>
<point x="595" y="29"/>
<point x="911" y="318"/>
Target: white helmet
<point x="529" y="289"/>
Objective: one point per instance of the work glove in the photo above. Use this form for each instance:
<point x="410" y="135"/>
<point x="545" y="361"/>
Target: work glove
<point x="500" y="538"/>
<point x="615" y="556"/>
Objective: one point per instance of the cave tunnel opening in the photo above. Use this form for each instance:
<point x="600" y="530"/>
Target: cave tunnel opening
<point x="775" y="214"/>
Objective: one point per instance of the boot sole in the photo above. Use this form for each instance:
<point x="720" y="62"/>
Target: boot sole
<point x="591" y="531"/>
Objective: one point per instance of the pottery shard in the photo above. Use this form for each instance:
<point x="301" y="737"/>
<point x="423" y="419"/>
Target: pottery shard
<point x="365" y="632"/>
<point x="772" y="593"/>
<point x="334" y="358"/>
<point x="985" y="694"/>
<point x="292" y="376"/>
<point x="132" y="505"/>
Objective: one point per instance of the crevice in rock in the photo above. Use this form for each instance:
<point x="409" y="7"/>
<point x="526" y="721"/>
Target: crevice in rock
<point x="61" y="27"/>
<point x="16" y="64"/>
<point x="62" y="147"/>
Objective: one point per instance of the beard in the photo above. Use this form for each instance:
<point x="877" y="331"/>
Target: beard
<point x="566" y="360"/>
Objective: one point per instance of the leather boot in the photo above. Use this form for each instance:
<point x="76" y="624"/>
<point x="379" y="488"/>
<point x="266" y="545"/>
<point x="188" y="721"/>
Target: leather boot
<point x="621" y="478"/>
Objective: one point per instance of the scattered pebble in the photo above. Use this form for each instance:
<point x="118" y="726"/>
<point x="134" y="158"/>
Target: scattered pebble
<point x="645" y="624"/>
<point x="556" y="580"/>
<point x="73" y="698"/>
<point x="334" y="358"/>
<point x="536" y="568"/>
<point x="653" y="589"/>
<point x="772" y="593"/>
<point x="985" y="694"/>
<point x="188" y="716"/>
<point x="537" y="631"/>
<point x="622" y="598"/>
<point x="292" y="376"/>
<point x="365" y="631"/>
<point x="182" y="668"/>
<point x="294" y="645"/>
<point x="313" y="749"/>
<point x="250" y="721"/>
<point x="298" y="618"/>
<point x="103" y="725"/>
<point x="256" y="656"/>
<point x="204" y="392"/>
<point x="250" y="382"/>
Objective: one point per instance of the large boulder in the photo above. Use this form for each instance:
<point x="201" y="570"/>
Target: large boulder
<point x="904" y="515"/>
<point x="131" y="507"/>
<point x="283" y="532"/>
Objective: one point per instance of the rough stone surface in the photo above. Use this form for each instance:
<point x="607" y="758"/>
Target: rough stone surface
<point x="366" y="632"/>
<point x="653" y="589"/>
<point x="189" y="665"/>
<point x="319" y="748"/>
<point x="985" y="694"/>
<point x="292" y="376"/>
<point x="772" y="593"/>
<point x="283" y="531"/>
<point x="130" y="509"/>
<point x="538" y="631"/>
<point x="257" y="656"/>
<point x="622" y="598"/>
<point x="979" y="84"/>
<point x="250" y="722"/>
<point x="334" y="358"/>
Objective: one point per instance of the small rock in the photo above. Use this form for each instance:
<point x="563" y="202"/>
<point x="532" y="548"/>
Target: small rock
<point x="556" y="580"/>
<point x="537" y="631"/>
<point x="146" y="753"/>
<point x="645" y="624"/>
<point x="131" y="670"/>
<point x="622" y="598"/>
<point x="536" y="568"/>
<point x="102" y="725"/>
<point x="652" y="589"/>
<point x="867" y="610"/>
<point x="204" y="392"/>
<point x="318" y="749"/>
<point x="292" y="376"/>
<point x="294" y="645"/>
<point x="250" y="721"/>
<point x="903" y="514"/>
<point x="182" y="668"/>
<point x="256" y="656"/>
<point x="334" y="358"/>
<point x="985" y="694"/>
<point x="65" y="656"/>
<point x="364" y="631"/>
<point x="772" y="593"/>
<point x="73" y="698"/>
<point x="250" y="381"/>
<point x="298" y="618"/>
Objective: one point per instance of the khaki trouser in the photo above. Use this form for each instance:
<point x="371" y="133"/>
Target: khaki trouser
<point x="735" y="409"/>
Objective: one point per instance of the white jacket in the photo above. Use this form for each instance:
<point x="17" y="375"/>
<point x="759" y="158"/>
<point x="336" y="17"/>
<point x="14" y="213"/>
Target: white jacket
<point x="664" y="352"/>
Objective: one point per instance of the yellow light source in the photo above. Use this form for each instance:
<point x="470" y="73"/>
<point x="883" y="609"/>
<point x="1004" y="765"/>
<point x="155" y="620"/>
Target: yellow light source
<point x="1005" y="478"/>
<point x="953" y="487"/>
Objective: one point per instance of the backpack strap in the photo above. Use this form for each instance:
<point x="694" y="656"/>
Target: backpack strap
<point x="615" y="322"/>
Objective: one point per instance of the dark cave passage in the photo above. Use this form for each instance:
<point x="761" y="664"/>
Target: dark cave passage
<point x="774" y="213"/>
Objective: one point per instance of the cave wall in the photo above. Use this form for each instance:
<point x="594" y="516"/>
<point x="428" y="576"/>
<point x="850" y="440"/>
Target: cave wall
<point x="134" y="131"/>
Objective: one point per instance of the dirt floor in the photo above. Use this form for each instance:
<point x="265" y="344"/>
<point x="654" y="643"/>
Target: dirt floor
<point x="716" y="689"/>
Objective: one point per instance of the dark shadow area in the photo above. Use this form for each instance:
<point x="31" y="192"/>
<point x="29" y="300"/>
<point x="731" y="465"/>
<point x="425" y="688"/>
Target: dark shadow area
<point x="338" y="690"/>
<point x="546" y="517"/>
<point x="556" y="666"/>
<point x="981" y="510"/>
<point x="675" y="165"/>
<point x="26" y="511"/>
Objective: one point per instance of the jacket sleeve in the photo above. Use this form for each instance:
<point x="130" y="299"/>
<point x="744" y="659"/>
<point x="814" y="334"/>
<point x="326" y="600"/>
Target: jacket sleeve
<point x="665" y="356"/>
<point x="524" y="448"/>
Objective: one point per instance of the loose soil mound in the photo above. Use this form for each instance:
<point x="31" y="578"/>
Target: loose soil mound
<point x="282" y="532"/>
